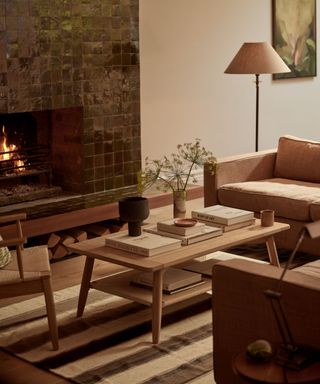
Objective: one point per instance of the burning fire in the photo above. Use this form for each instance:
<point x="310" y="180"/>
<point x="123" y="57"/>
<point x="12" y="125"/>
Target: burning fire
<point x="7" y="153"/>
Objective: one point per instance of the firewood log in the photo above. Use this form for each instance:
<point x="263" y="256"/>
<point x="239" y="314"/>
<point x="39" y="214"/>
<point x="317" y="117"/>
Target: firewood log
<point x="66" y="239"/>
<point x="53" y="240"/>
<point x="59" y="251"/>
<point x="78" y="234"/>
<point x="96" y="230"/>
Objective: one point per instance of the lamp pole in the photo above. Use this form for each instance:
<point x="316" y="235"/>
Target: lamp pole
<point x="257" y="111"/>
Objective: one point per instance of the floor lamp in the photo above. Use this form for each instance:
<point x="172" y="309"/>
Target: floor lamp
<point x="257" y="58"/>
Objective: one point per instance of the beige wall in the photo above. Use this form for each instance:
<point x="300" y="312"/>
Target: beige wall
<point x="185" y="47"/>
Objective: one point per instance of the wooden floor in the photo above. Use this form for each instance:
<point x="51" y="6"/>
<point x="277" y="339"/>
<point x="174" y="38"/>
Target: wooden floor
<point x="65" y="273"/>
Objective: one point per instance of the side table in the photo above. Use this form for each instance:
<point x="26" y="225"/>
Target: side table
<point x="270" y="372"/>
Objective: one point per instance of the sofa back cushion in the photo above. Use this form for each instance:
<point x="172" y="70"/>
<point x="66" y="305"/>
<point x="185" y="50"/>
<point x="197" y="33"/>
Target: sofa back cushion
<point x="298" y="159"/>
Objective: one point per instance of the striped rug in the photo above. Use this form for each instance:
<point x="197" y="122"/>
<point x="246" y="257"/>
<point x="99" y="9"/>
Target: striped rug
<point x="111" y="343"/>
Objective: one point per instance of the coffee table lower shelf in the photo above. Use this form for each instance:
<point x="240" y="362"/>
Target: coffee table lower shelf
<point x="120" y="285"/>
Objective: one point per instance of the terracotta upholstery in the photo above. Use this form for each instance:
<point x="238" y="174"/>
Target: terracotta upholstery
<point x="297" y="159"/>
<point x="242" y="313"/>
<point x="273" y="180"/>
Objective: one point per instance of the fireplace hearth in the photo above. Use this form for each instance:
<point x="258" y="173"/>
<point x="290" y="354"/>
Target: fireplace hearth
<point x="27" y="192"/>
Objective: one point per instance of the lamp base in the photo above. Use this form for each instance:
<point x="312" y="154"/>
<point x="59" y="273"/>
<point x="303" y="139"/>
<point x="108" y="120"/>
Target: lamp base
<point x="296" y="357"/>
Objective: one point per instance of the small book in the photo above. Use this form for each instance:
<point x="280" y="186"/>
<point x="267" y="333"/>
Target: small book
<point x="147" y="244"/>
<point x="231" y="227"/>
<point x="203" y="267"/>
<point x="222" y="215"/>
<point x="208" y="232"/>
<point x="184" y="288"/>
<point x="173" y="279"/>
<point x="171" y="227"/>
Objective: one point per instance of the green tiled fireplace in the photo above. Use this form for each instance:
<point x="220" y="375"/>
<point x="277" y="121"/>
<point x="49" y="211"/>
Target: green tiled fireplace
<point x="78" y="62"/>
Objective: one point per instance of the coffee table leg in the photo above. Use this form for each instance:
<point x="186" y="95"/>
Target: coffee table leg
<point x="85" y="285"/>
<point x="157" y="305"/>
<point x="272" y="251"/>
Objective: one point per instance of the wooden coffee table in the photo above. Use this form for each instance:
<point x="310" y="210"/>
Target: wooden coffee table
<point x="119" y="284"/>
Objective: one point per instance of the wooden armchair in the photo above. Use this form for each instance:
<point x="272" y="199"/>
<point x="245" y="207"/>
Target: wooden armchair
<point x="28" y="272"/>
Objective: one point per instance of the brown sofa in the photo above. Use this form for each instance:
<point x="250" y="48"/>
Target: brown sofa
<point x="286" y="180"/>
<point x="242" y="314"/>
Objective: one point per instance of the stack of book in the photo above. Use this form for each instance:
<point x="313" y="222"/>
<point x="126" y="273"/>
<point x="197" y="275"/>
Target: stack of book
<point x="187" y="235"/>
<point x="147" y="244"/>
<point x="174" y="280"/>
<point x="224" y="217"/>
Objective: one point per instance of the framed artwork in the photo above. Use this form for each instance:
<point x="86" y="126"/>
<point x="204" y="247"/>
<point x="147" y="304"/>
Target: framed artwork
<point x="294" y="36"/>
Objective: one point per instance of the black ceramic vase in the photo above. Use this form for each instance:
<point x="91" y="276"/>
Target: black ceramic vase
<point x="134" y="210"/>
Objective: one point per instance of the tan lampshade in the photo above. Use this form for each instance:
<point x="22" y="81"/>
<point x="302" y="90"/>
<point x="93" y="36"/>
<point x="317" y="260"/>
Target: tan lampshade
<point x="257" y="58"/>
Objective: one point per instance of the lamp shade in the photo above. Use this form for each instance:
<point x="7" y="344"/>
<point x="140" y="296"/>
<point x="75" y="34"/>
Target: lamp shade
<point x="257" y="58"/>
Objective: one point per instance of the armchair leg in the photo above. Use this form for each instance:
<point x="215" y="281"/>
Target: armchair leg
<point x="51" y="312"/>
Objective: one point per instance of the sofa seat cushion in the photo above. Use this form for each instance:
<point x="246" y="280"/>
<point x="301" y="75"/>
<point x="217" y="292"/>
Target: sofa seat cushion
<point x="311" y="269"/>
<point x="289" y="199"/>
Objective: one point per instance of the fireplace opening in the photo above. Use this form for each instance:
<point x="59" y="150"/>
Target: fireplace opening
<point x="33" y="155"/>
<point x="21" y="153"/>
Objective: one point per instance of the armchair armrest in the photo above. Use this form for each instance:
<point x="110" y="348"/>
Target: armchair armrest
<point x="234" y="169"/>
<point x="12" y="217"/>
<point x="13" y="242"/>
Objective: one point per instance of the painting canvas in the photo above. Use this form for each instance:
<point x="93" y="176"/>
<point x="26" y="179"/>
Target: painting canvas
<point x="294" y="36"/>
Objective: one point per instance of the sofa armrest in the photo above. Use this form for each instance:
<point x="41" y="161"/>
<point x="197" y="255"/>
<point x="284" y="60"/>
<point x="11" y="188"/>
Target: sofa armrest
<point x="234" y="169"/>
<point x="242" y="313"/>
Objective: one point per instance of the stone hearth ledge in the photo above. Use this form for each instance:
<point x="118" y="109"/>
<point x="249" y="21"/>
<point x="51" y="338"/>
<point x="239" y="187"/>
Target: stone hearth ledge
<point x="81" y="210"/>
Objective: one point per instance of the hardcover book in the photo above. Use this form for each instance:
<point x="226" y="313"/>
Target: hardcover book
<point x="222" y="214"/>
<point x="203" y="267"/>
<point x="147" y="244"/>
<point x="170" y="226"/>
<point x="173" y="279"/>
<point x="231" y="227"/>
<point x="207" y="233"/>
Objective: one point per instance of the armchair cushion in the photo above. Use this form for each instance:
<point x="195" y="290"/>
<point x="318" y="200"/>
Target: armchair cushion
<point x="35" y="265"/>
<point x="5" y="256"/>
<point x="297" y="159"/>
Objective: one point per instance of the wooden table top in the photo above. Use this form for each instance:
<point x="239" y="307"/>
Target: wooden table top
<point x="96" y="248"/>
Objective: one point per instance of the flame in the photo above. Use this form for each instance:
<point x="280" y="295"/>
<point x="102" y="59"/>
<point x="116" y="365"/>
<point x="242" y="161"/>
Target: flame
<point x="6" y="155"/>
